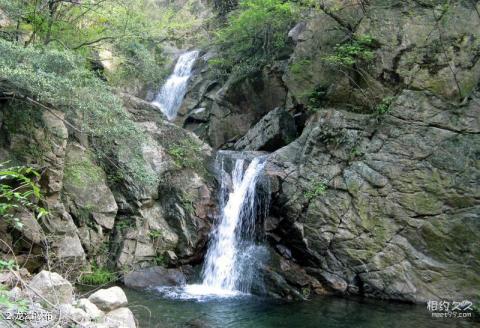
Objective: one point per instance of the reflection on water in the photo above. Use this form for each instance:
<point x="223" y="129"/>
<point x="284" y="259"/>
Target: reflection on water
<point x="153" y="310"/>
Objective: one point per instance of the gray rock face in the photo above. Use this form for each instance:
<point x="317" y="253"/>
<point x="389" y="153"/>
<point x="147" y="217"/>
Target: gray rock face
<point x="273" y="131"/>
<point x="385" y="206"/>
<point x="86" y="190"/>
<point x="52" y="287"/>
<point x="415" y="46"/>
<point x="297" y="31"/>
<point x="72" y="313"/>
<point x="170" y="226"/>
<point x="220" y="114"/>
<point x="154" y="276"/>
<point x="92" y="311"/>
<point x="121" y="318"/>
<point x="169" y="220"/>
<point x="109" y="299"/>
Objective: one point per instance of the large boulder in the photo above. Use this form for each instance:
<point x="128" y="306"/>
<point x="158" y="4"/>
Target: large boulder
<point x="52" y="287"/>
<point x="121" y="318"/>
<point x="167" y="220"/>
<point x="92" y="311"/>
<point x="109" y="299"/>
<point x="273" y="131"/>
<point x="384" y="206"/>
<point x="154" y="276"/>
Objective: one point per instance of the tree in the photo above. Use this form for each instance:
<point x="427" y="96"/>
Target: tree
<point x="255" y="34"/>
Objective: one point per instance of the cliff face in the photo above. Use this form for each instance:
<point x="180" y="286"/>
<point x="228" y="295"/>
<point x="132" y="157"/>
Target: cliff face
<point x="103" y="218"/>
<point x="385" y="207"/>
<point x="375" y="161"/>
<point x="379" y="194"/>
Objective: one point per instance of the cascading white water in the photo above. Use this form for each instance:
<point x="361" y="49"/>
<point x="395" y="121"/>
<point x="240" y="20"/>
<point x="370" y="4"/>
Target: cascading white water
<point x="171" y="95"/>
<point x="231" y="258"/>
<point x="222" y="265"/>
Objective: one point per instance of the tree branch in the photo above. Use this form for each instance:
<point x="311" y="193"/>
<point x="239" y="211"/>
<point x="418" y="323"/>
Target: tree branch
<point x="89" y="43"/>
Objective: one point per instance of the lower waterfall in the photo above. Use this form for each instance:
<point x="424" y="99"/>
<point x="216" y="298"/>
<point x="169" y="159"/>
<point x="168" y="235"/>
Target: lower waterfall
<point x="233" y="252"/>
<point x="235" y="231"/>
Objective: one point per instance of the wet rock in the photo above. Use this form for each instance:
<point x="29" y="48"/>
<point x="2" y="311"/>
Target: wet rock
<point x="154" y="276"/>
<point x="109" y="299"/>
<point x="173" y="214"/>
<point x="331" y="281"/>
<point x="220" y="114"/>
<point x="197" y="323"/>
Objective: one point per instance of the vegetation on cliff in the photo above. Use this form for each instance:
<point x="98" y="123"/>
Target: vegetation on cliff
<point x="376" y="174"/>
<point x="255" y="33"/>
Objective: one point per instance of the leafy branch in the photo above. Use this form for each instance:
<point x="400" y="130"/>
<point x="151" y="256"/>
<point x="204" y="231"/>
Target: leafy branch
<point x="19" y="191"/>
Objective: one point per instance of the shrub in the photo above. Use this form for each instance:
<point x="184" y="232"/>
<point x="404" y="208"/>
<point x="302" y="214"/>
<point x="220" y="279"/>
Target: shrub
<point x="186" y="154"/>
<point x="19" y="190"/>
<point x="318" y="189"/>
<point x="384" y="106"/>
<point x="49" y="78"/>
<point x="140" y="60"/>
<point x="254" y="35"/>
<point x="354" y="51"/>
<point x="98" y="276"/>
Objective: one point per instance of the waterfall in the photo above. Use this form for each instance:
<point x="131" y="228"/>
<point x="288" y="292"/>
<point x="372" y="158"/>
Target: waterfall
<point x="171" y="95"/>
<point x="233" y="252"/>
<point x="234" y="234"/>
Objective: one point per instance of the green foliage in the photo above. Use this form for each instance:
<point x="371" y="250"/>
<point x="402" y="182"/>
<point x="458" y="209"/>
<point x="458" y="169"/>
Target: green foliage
<point x="186" y="154"/>
<point x="124" y="224"/>
<point x="355" y="152"/>
<point x="187" y="202"/>
<point x="130" y="29"/>
<point x="298" y="67"/>
<point x="19" y="190"/>
<point x="60" y="79"/>
<point x="306" y="292"/>
<point x="82" y="172"/>
<point x="7" y="265"/>
<point x="384" y="106"/>
<point x="140" y="60"/>
<point x="160" y="260"/>
<point x="98" y="276"/>
<point x="318" y="189"/>
<point x="254" y="35"/>
<point x="8" y="304"/>
<point x="316" y="98"/>
<point x="355" y="51"/>
<point x="154" y="234"/>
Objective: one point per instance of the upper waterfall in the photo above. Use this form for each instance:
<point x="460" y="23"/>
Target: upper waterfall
<point x="171" y="95"/>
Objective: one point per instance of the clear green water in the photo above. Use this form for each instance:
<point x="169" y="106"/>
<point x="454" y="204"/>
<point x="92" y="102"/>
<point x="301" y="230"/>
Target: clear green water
<point x="151" y="310"/>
